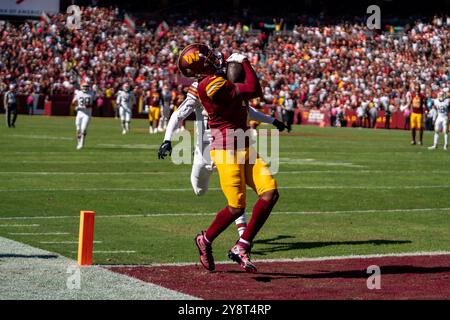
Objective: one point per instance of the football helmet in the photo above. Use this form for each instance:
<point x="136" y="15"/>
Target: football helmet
<point x="126" y="87"/>
<point x="198" y="60"/>
<point x="441" y="96"/>
<point x="85" y="87"/>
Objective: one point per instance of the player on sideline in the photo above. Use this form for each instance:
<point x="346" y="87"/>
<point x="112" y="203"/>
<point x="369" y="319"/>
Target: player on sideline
<point x="125" y="100"/>
<point x="223" y="100"/>
<point x="202" y="168"/>
<point x="441" y="124"/>
<point x="417" y="101"/>
<point x="83" y="100"/>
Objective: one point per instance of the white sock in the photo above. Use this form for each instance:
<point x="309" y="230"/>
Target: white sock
<point x="446" y="138"/>
<point x="123" y="125"/>
<point x="436" y="138"/>
<point x="245" y="241"/>
<point x="127" y="126"/>
<point x="241" y="219"/>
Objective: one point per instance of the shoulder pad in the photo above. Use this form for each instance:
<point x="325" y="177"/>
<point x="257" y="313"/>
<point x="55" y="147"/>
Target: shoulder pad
<point x="192" y="91"/>
<point x="214" y="84"/>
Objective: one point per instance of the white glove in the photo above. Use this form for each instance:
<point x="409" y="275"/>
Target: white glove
<point x="236" y="57"/>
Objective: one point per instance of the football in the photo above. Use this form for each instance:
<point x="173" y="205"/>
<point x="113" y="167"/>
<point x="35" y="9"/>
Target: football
<point x="235" y="72"/>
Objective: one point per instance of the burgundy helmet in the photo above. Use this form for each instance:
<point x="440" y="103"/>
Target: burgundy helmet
<point x="198" y="60"/>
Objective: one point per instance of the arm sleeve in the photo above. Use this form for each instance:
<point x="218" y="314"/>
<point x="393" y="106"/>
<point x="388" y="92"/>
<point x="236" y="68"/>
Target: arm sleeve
<point x="118" y="99"/>
<point x="259" y="116"/>
<point x="251" y="88"/>
<point x="185" y="109"/>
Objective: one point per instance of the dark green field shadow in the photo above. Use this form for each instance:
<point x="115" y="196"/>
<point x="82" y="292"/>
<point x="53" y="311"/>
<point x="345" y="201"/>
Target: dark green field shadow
<point x="276" y="244"/>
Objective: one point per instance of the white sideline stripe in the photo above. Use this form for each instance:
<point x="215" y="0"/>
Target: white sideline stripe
<point x="217" y="189"/>
<point x="64" y="242"/>
<point x="39" y="234"/>
<point x="327" y="258"/>
<point x="193" y="214"/>
<point x="18" y="225"/>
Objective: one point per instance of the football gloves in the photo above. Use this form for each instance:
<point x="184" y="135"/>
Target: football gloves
<point x="236" y="57"/>
<point x="166" y="147"/>
<point x="280" y="125"/>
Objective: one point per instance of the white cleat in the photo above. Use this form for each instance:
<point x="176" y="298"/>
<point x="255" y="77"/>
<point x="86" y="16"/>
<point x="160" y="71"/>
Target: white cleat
<point x="150" y="130"/>
<point x="124" y="131"/>
<point x="432" y="148"/>
<point x="446" y="147"/>
<point x="79" y="146"/>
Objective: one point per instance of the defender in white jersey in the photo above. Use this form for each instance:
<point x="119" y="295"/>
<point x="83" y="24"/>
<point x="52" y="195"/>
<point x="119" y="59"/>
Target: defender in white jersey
<point x="202" y="167"/>
<point x="83" y="99"/>
<point x="441" y="123"/>
<point x="125" y="100"/>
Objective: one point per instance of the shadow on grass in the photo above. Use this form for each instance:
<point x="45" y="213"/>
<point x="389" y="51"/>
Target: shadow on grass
<point x="349" y="274"/>
<point x="276" y="244"/>
<point x="30" y="256"/>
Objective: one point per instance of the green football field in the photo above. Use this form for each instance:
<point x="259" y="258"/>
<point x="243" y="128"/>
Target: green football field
<point x="343" y="191"/>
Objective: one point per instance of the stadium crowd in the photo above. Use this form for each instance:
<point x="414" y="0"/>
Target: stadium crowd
<point x="328" y="67"/>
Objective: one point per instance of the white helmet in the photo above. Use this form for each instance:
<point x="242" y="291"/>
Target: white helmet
<point x="441" y="96"/>
<point x="126" y="87"/>
<point x="12" y="86"/>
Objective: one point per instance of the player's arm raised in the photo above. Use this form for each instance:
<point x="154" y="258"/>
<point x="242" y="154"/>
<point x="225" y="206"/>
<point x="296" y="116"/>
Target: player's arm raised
<point x="251" y="88"/>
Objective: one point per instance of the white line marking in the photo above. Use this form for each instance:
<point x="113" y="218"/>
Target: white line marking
<point x="124" y="173"/>
<point x="129" y="146"/>
<point x="194" y="214"/>
<point x="445" y="186"/>
<point x="64" y="242"/>
<point x="112" y="251"/>
<point x="18" y="225"/>
<point x="43" y="173"/>
<point x="327" y="258"/>
<point x="39" y="234"/>
<point x="44" y="137"/>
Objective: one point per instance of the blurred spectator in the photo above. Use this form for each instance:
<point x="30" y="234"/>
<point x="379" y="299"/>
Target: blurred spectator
<point x="319" y="66"/>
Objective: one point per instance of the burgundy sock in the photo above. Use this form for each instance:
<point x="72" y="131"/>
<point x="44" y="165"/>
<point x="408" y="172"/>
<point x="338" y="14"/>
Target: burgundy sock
<point x="222" y="220"/>
<point x="261" y="212"/>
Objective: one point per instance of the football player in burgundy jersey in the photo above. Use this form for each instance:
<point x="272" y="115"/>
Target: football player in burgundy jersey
<point x="227" y="114"/>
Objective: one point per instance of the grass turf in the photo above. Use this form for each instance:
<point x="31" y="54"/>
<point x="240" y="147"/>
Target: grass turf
<point x="343" y="191"/>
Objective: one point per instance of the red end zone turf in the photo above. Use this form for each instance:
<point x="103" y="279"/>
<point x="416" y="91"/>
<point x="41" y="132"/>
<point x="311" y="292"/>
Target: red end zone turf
<point x="412" y="277"/>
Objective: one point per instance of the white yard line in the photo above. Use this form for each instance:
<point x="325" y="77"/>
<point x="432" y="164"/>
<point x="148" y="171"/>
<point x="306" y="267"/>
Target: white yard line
<point x="64" y="242"/>
<point x="194" y="214"/>
<point x="445" y="186"/>
<point x="111" y="251"/>
<point x="124" y="173"/>
<point x="39" y="234"/>
<point x="43" y="137"/>
<point x="19" y="225"/>
<point x="327" y="258"/>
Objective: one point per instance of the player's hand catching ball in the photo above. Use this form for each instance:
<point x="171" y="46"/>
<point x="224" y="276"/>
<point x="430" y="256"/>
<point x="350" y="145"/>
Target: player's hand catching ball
<point x="280" y="125"/>
<point x="236" y="57"/>
<point x="166" y="147"/>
